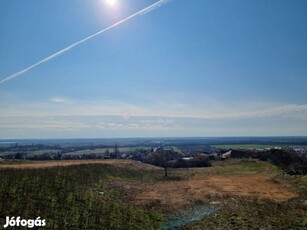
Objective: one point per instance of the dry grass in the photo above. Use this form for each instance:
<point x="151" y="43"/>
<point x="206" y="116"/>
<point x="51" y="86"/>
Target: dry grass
<point x="63" y="163"/>
<point x="173" y="195"/>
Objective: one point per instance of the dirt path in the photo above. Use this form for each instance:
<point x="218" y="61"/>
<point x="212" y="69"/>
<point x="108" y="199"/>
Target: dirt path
<point x="62" y="163"/>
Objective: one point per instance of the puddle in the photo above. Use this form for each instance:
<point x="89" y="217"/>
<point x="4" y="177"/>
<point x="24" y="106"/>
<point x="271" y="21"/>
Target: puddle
<point x="189" y="215"/>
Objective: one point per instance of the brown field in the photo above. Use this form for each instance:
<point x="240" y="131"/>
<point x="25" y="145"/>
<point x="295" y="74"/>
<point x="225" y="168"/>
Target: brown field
<point x="177" y="194"/>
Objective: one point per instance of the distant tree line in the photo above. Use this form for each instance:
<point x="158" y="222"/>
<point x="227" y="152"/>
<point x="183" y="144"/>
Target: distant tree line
<point x="197" y="161"/>
<point x="289" y="160"/>
<point x="171" y="159"/>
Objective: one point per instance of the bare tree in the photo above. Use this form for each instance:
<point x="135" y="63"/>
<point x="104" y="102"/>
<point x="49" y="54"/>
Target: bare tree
<point x="160" y="159"/>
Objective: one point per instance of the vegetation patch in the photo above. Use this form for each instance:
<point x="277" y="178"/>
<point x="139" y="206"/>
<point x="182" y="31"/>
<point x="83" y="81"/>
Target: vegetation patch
<point x="189" y="215"/>
<point x="239" y="213"/>
<point x="61" y="196"/>
<point x="243" y="146"/>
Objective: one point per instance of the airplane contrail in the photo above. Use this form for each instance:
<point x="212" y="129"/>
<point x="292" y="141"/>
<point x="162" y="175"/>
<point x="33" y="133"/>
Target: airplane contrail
<point x="143" y="11"/>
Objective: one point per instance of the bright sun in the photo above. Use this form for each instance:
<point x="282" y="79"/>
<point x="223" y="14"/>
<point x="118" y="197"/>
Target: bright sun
<point x="111" y="2"/>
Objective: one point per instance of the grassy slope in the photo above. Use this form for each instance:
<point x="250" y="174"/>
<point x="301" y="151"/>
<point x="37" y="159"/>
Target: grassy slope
<point x="241" y="213"/>
<point x="67" y="199"/>
<point x="81" y="196"/>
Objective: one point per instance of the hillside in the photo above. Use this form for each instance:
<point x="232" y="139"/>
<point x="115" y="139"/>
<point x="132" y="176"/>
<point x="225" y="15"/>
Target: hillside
<point x="125" y="194"/>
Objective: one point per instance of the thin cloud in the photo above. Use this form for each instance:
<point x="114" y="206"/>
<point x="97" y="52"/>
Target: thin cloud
<point x="158" y="5"/>
<point x="114" y="126"/>
<point x="59" y="100"/>
<point x="69" y="107"/>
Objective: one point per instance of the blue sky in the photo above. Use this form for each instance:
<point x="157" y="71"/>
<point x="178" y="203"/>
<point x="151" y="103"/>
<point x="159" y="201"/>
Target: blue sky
<point x="187" y="68"/>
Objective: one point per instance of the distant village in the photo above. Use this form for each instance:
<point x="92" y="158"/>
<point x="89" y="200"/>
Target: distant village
<point x="292" y="160"/>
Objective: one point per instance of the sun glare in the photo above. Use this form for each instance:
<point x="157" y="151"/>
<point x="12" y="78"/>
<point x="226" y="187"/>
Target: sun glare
<point x="111" y="2"/>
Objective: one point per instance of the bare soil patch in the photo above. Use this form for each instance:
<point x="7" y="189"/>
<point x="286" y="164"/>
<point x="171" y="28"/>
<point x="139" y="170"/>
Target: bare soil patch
<point x="173" y="195"/>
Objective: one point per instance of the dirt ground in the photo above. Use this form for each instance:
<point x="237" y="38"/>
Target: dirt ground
<point x="176" y="194"/>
